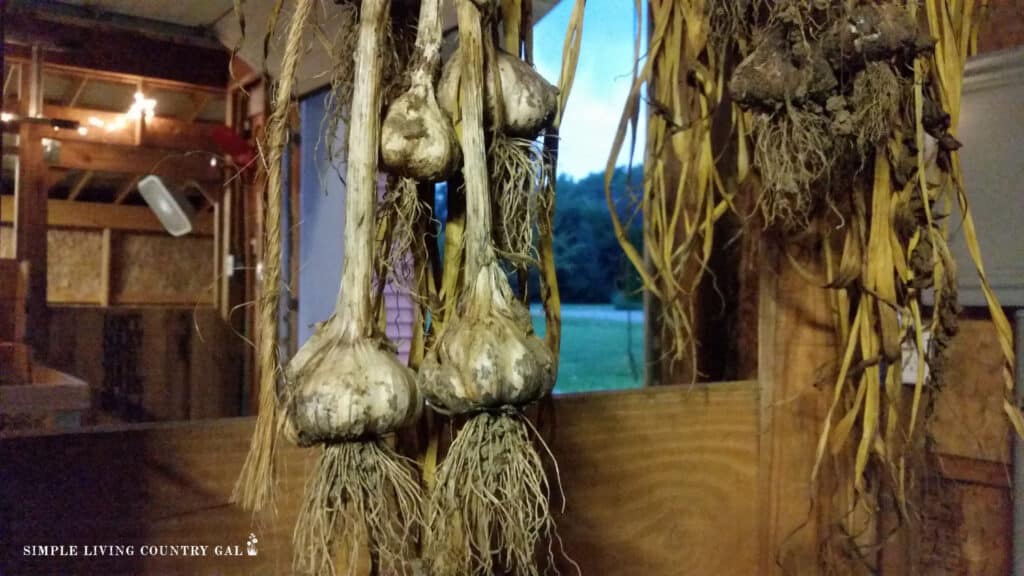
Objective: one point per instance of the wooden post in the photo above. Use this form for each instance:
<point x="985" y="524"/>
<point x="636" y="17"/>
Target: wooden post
<point x="796" y="358"/>
<point x="106" y="270"/>
<point x="30" y="217"/>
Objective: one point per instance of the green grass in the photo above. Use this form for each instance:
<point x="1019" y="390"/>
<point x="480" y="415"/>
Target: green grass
<point x="595" y="353"/>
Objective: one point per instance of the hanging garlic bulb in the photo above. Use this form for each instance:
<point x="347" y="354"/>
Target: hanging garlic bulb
<point x="417" y="139"/>
<point x="346" y="386"/>
<point x="528" y="101"/>
<point x="490" y="501"/>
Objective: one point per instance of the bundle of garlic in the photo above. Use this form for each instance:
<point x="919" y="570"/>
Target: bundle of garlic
<point x="346" y="387"/>
<point x="490" y="497"/>
<point x="518" y="104"/>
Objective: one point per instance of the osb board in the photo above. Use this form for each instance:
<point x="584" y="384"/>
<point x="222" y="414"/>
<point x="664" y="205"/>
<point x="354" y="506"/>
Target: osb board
<point x="969" y="420"/>
<point x="961" y="528"/>
<point x="659" y="482"/>
<point x="147" y="268"/>
<point x="188" y="359"/>
<point x="6" y="242"/>
<point x="74" y="263"/>
<point x="157" y="269"/>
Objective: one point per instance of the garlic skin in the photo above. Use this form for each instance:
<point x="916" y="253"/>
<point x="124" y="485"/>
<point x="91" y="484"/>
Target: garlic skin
<point x="488" y="355"/>
<point x="417" y="139"/>
<point x="345" y="389"/>
<point x="528" y="101"/>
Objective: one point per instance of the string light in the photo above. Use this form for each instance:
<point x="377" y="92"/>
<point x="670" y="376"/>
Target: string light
<point x="142" y="106"/>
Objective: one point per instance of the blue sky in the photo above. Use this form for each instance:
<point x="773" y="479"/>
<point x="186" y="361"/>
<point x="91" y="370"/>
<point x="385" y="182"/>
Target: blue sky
<point x="602" y="82"/>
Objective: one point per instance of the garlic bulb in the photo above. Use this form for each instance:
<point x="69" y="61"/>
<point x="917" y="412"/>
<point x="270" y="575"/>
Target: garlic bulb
<point x="488" y="356"/>
<point x="347" y="390"/>
<point x="528" y="101"/>
<point x="344" y="383"/>
<point x="417" y="139"/>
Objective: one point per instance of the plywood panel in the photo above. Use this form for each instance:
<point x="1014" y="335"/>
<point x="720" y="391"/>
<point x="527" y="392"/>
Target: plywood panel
<point x="161" y="487"/>
<point x="659" y="482"/>
<point x="161" y="269"/>
<point x="74" y="264"/>
<point x="187" y="359"/>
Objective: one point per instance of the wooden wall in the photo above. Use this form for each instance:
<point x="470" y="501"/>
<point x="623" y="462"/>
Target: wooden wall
<point x="659" y="481"/>
<point x="712" y="479"/>
<point x="965" y="500"/>
<point x="189" y="361"/>
<point x="145" y="268"/>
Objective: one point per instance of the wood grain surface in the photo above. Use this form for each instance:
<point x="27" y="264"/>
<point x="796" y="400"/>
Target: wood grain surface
<point x="659" y="481"/>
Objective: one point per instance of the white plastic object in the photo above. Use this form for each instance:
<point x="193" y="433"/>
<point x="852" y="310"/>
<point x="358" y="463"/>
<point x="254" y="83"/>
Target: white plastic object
<point x="170" y="206"/>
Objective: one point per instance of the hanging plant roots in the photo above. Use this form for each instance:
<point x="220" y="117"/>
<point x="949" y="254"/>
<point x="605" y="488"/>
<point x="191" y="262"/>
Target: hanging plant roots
<point x="826" y="84"/>
<point x="794" y="151"/>
<point x="360" y="492"/>
<point x="489" y="509"/>
<point x="516" y="166"/>
<point x="398" y="215"/>
<point x="878" y="98"/>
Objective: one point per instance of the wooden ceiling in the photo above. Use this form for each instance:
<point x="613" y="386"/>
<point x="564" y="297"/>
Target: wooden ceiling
<point x="99" y="100"/>
<point x="198" y="13"/>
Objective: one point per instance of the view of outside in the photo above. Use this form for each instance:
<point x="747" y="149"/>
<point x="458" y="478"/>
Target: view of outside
<point x="602" y="313"/>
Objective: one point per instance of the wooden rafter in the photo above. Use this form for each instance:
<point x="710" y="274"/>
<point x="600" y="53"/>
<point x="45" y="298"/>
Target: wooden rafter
<point x="97" y="216"/>
<point x="199" y="102"/>
<point x="138" y="160"/>
<point x="80" y="185"/>
<point x="9" y="77"/>
<point x="74" y="92"/>
<point x="126" y="190"/>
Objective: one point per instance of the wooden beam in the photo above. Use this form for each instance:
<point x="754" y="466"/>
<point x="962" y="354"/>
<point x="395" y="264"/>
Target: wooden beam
<point x="160" y="132"/>
<point x="75" y="90"/>
<point x="974" y="471"/>
<point x="9" y="77"/>
<point x="140" y="160"/>
<point x="97" y="216"/>
<point x="796" y="339"/>
<point x="80" y="185"/>
<point x="126" y="189"/>
<point x="28" y="211"/>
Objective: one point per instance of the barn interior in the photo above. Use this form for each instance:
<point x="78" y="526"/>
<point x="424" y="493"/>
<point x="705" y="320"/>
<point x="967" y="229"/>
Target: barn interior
<point x="728" y="386"/>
